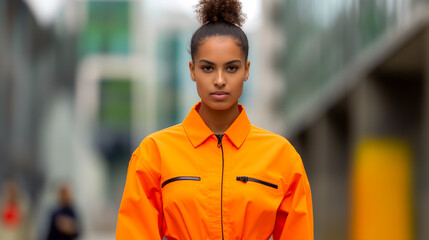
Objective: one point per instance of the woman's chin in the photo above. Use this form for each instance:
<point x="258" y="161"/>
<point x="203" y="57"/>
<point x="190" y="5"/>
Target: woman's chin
<point x="220" y="105"/>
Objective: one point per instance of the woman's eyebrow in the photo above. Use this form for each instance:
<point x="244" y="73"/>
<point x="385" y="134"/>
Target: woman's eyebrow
<point x="227" y="63"/>
<point x="233" y="61"/>
<point x="206" y="61"/>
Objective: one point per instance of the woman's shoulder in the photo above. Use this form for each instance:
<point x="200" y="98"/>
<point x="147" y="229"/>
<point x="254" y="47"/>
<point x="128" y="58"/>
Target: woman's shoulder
<point x="169" y="133"/>
<point x="269" y="137"/>
<point x="263" y="133"/>
<point x="166" y="136"/>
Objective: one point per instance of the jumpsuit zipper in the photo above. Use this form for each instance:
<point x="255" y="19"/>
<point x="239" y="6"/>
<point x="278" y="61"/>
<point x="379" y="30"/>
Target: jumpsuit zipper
<point x="219" y="144"/>
<point x="179" y="179"/>
<point x="245" y="179"/>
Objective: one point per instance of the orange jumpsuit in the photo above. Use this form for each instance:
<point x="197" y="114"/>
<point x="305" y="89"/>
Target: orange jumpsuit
<point x="184" y="182"/>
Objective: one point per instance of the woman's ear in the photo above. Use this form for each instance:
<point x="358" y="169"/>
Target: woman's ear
<point x="192" y="70"/>
<point x="246" y="74"/>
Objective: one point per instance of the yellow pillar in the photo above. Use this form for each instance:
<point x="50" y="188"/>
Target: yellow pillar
<point x="381" y="191"/>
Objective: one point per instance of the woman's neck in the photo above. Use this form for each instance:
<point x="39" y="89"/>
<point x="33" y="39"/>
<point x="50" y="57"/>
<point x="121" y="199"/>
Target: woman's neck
<point x="218" y="120"/>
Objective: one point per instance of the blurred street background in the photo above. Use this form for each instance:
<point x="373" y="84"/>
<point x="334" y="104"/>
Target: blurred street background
<point x="82" y="82"/>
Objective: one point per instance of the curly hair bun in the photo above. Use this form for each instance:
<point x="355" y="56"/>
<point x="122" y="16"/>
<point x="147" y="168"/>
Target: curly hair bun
<point x="229" y="11"/>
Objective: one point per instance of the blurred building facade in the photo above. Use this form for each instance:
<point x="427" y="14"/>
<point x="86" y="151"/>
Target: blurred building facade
<point x="78" y="95"/>
<point x="23" y="42"/>
<point x="37" y="65"/>
<point x="356" y="78"/>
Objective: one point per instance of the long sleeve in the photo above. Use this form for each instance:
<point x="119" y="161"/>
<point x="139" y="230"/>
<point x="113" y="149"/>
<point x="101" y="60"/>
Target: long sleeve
<point x="294" y="218"/>
<point x="140" y="213"/>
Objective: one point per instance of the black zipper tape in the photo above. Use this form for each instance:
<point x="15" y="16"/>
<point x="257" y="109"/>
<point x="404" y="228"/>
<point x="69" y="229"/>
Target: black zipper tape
<point x="179" y="179"/>
<point x="245" y="179"/>
<point x="219" y="144"/>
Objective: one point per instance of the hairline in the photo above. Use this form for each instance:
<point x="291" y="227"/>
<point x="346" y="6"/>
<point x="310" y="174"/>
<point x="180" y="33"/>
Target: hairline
<point x="235" y="39"/>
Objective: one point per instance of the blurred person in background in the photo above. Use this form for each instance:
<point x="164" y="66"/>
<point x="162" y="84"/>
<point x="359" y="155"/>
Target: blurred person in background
<point x="64" y="224"/>
<point x="216" y="176"/>
<point x="14" y="212"/>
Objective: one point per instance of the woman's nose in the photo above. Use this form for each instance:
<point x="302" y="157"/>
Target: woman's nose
<point x="220" y="80"/>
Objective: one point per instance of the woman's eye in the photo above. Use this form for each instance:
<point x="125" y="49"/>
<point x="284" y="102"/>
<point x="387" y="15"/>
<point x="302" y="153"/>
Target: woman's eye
<point x="207" y="68"/>
<point x="232" y="68"/>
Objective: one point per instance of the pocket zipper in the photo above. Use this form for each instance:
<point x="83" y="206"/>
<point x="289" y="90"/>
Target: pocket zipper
<point x="245" y="179"/>
<point x="179" y="179"/>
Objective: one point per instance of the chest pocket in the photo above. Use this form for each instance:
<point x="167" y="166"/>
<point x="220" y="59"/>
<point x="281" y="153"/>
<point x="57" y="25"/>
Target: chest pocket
<point x="180" y="191"/>
<point x="257" y="200"/>
<point x="260" y="195"/>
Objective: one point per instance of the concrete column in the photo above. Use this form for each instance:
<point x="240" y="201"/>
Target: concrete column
<point x="338" y="176"/>
<point x="326" y="151"/>
<point x="318" y="172"/>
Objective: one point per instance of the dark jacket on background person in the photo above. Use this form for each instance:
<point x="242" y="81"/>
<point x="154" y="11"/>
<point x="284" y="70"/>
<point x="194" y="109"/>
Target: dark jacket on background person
<point x="63" y="225"/>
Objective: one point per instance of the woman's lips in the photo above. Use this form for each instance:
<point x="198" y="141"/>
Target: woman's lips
<point x="219" y="95"/>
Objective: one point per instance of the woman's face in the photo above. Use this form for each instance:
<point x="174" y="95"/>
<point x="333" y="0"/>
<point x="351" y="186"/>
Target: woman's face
<point x="219" y="70"/>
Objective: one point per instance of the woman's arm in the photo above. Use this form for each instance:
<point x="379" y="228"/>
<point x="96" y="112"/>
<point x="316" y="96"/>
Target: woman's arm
<point x="295" y="215"/>
<point x="140" y="213"/>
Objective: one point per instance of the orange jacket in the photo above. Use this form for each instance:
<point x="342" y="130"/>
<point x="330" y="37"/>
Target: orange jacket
<point x="184" y="182"/>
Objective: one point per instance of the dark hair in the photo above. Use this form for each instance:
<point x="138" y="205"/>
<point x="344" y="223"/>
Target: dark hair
<point x="220" y="18"/>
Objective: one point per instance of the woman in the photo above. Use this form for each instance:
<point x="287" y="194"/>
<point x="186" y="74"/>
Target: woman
<point x="216" y="176"/>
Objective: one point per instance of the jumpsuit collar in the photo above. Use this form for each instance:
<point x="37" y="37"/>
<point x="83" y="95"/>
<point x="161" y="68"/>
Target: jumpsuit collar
<point x="198" y="131"/>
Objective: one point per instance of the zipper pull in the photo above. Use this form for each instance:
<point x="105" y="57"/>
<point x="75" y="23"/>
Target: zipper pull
<point x="242" y="179"/>
<point x="219" y="139"/>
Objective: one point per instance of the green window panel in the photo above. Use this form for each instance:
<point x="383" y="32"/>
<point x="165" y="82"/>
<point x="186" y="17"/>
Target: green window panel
<point x="115" y="104"/>
<point x="108" y="28"/>
<point x="113" y="136"/>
